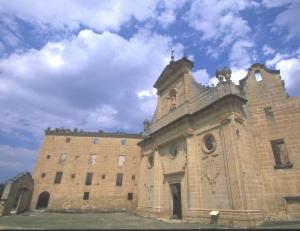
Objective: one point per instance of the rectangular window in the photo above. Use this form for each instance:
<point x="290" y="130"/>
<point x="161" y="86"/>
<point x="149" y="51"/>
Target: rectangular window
<point x="121" y="161"/>
<point x="68" y="139"/>
<point x="86" y="195"/>
<point x="43" y="175"/>
<point x="280" y="154"/>
<point x="130" y="196"/>
<point x="92" y="159"/>
<point x="269" y="114"/>
<point x="63" y="158"/>
<point x="72" y="175"/>
<point x="103" y="177"/>
<point x="58" y="177"/>
<point x="119" y="179"/>
<point x="96" y="141"/>
<point x="123" y="141"/>
<point x="89" y="178"/>
<point x="133" y="177"/>
<point x="48" y="156"/>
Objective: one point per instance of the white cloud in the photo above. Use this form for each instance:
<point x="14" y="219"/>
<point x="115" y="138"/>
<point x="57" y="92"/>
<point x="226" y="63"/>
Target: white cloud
<point x="87" y="82"/>
<point x="267" y="50"/>
<point x="276" y="58"/>
<point x="289" y="18"/>
<point x="289" y="71"/>
<point x="240" y="54"/>
<point x="219" y="20"/>
<point x="202" y="76"/>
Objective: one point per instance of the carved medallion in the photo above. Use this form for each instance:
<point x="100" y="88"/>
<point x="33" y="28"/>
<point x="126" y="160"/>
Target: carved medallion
<point x="208" y="143"/>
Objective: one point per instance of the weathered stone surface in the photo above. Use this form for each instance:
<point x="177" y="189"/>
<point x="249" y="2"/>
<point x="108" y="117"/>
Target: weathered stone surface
<point x="17" y="194"/>
<point x="234" y="172"/>
<point x="97" y="153"/>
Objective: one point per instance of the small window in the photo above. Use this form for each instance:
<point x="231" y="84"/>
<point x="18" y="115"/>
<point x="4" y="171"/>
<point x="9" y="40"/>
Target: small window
<point x="280" y="154"/>
<point x="130" y="196"/>
<point x="89" y="178"/>
<point x="68" y="139"/>
<point x="258" y="76"/>
<point x="77" y="157"/>
<point x="72" y="175"/>
<point x="103" y="177"/>
<point x="58" y="177"/>
<point x="123" y="141"/>
<point x="119" y="179"/>
<point x="92" y="159"/>
<point x="133" y="177"/>
<point x="86" y="195"/>
<point x="96" y="141"/>
<point x="43" y="175"/>
<point x="63" y="158"/>
<point x="48" y="157"/>
<point x="150" y="161"/>
<point x="269" y="114"/>
<point x="121" y="161"/>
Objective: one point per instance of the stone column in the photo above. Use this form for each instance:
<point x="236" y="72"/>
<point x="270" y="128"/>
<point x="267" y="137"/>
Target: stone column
<point x="158" y="181"/>
<point x="232" y="163"/>
<point x="192" y="171"/>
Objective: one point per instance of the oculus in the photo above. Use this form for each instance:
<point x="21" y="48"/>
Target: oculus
<point x="209" y="143"/>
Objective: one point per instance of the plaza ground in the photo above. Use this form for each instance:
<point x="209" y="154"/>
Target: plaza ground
<point x="45" y="220"/>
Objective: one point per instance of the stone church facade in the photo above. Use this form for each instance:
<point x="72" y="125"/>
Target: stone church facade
<point x="229" y="152"/>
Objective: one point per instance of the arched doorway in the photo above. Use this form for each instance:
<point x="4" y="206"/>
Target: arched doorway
<point x="43" y="200"/>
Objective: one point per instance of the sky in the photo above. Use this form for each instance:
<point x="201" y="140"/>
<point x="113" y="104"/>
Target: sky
<point x="92" y="64"/>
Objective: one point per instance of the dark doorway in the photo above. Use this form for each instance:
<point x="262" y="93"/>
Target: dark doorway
<point x="43" y="200"/>
<point x="176" y="198"/>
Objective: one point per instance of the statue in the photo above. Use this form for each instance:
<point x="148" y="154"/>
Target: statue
<point x="223" y="73"/>
<point x="146" y="124"/>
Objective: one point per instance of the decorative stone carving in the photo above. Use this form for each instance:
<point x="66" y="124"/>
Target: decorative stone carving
<point x="150" y="161"/>
<point x="211" y="172"/>
<point x="219" y="75"/>
<point x="172" y="97"/>
<point x="173" y="151"/>
<point x="146" y="124"/>
<point x="208" y="143"/>
<point x="223" y="73"/>
<point x="149" y="190"/>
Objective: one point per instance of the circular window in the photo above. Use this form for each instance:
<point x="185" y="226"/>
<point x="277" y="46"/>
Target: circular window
<point x="150" y="161"/>
<point x="173" y="151"/>
<point x="209" y="143"/>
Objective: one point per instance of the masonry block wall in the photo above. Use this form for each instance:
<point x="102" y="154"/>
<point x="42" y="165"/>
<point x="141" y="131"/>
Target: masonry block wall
<point x="88" y="171"/>
<point x="275" y="118"/>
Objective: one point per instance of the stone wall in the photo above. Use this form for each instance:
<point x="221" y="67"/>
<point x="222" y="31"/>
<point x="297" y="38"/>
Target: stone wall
<point x="17" y="193"/>
<point x="273" y="116"/>
<point x="101" y="158"/>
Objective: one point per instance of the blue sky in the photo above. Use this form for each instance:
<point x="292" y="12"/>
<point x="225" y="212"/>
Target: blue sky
<point x="92" y="64"/>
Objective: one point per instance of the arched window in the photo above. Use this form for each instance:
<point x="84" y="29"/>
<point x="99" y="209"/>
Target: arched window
<point x="258" y="76"/>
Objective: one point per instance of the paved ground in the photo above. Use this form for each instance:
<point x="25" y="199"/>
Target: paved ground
<point x="39" y="220"/>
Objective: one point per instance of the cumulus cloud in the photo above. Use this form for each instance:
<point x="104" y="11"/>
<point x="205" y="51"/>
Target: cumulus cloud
<point x="267" y="50"/>
<point x="288" y="19"/>
<point x="91" y="82"/>
<point x="240" y="55"/>
<point x="219" y="22"/>
<point x="202" y="76"/>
